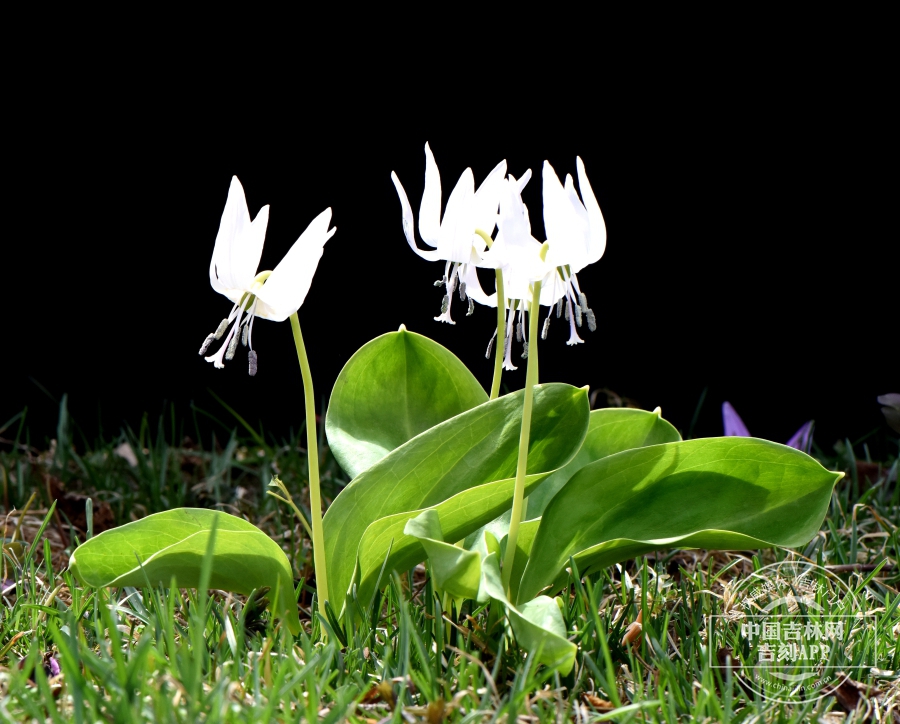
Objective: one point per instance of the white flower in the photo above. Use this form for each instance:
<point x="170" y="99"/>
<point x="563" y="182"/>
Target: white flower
<point x="576" y="234"/>
<point x="275" y="294"/>
<point x="453" y="236"/>
<point x="576" y="237"/>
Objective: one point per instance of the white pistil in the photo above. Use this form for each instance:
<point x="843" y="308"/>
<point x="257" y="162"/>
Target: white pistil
<point x="507" y="351"/>
<point x="573" y="334"/>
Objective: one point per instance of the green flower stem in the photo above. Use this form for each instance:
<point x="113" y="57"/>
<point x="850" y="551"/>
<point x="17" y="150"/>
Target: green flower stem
<point x="312" y="457"/>
<point x="524" y="435"/>
<point x="501" y="337"/>
<point x="501" y="323"/>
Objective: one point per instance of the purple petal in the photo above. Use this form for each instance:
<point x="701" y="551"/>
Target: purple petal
<point x="51" y="667"/>
<point x="734" y="425"/>
<point x="802" y="439"/>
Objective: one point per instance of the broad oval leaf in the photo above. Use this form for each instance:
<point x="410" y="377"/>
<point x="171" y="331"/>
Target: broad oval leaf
<point x="474" y="448"/>
<point x="395" y="387"/>
<point x="611" y="430"/>
<point x="173" y="544"/>
<point x="713" y="492"/>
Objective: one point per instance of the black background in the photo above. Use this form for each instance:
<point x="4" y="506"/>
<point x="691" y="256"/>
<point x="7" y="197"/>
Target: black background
<point x="749" y="250"/>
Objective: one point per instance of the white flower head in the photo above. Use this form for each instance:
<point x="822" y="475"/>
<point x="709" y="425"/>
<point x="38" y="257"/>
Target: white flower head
<point x="275" y="294"/>
<point x="576" y="237"/>
<point x="453" y="237"/>
<point x="576" y="234"/>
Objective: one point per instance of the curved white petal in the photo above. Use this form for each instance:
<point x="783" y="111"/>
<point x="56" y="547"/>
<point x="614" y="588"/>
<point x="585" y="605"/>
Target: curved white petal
<point x="487" y="199"/>
<point x="577" y="206"/>
<point x="247" y="250"/>
<point x="522" y="182"/>
<point x="458" y="225"/>
<point x="564" y="229"/>
<point x="235" y="220"/>
<point x="595" y="217"/>
<point x="430" y="208"/>
<point x="469" y="275"/>
<point x="286" y="288"/>
<point x="408" y="225"/>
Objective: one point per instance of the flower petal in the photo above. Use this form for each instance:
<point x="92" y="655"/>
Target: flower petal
<point x="287" y="286"/>
<point x="408" y="225"/>
<point x="458" y="224"/>
<point x="234" y="218"/>
<point x="469" y="276"/>
<point x="238" y="244"/>
<point x="802" y="439"/>
<point x="430" y="208"/>
<point x="487" y="199"/>
<point x="732" y="422"/>
<point x="595" y="217"/>
<point x="562" y="225"/>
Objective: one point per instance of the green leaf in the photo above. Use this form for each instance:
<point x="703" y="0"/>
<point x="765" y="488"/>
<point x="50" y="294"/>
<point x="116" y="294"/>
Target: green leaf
<point x="459" y="515"/>
<point x="454" y="570"/>
<point x="538" y="625"/>
<point x="475" y="574"/>
<point x="173" y="544"/>
<point x="612" y="430"/>
<point x="395" y="387"/>
<point x="478" y="447"/>
<point x="725" y="493"/>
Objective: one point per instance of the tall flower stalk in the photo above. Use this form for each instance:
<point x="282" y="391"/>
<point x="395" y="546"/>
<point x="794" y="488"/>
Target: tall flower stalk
<point x="531" y="379"/>
<point x="501" y="322"/>
<point x="274" y="295"/>
<point x="312" y="457"/>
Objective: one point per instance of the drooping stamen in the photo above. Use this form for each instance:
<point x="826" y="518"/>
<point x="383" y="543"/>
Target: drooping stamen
<point x="439" y="283"/>
<point x="232" y="347"/>
<point x="254" y="364"/>
<point x="519" y="329"/>
<point x="208" y="341"/>
<point x="252" y="315"/>
<point x="471" y="307"/>
<point x="462" y="291"/>
<point x="568" y="308"/>
<point x="487" y="355"/>
<point x="451" y="282"/>
<point x="591" y="320"/>
<point x="223" y="325"/>
<point x="577" y="310"/>
<point x="583" y="300"/>
<point x="545" y="328"/>
<point x="559" y="307"/>
<point x="230" y="344"/>
<point x="244" y="333"/>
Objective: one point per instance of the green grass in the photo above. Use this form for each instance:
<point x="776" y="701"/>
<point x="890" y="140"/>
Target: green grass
<point x="161" y="655"/>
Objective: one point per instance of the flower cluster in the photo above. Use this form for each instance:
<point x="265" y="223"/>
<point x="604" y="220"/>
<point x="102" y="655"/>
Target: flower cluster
<point x="576" y="237"/>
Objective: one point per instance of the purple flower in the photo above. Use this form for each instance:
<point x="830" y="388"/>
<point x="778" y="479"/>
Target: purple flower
<point x="735" y="427"/>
